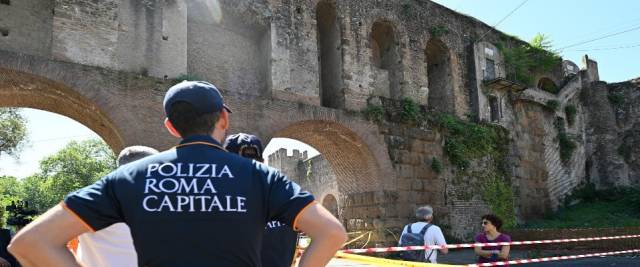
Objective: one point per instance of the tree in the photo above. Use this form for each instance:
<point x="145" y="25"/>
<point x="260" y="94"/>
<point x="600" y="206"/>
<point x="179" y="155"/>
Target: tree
<point x="77" y="165"/>
<point x="13" y="131"/>
<point x="9" y="192"/>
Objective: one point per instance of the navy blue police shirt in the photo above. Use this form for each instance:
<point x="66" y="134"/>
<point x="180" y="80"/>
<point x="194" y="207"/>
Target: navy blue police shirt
<point x="195" y="205"/>
<point x="279" y="245"/>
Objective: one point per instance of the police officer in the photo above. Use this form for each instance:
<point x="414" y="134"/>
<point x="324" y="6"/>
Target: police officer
<point x="279" y="243"/>
<point x="193" y="205"/>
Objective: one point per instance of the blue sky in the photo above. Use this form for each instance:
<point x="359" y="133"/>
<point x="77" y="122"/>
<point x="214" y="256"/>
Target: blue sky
<point x="569" y="22"/>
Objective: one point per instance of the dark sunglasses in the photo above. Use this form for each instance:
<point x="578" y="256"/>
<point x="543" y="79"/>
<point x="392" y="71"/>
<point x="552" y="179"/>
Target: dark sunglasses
<point x="485" y="222"/>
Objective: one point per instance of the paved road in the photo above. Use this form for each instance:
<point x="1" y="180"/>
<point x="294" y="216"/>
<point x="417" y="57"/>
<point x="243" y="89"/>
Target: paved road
<point x="467" y="256"/>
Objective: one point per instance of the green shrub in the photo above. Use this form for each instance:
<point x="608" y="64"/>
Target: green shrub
<point x="616" y="99"/>
<point x="499" y="196"/>
<point x="567" y="146"/>
<point x="466" y="141"/>
<point x="522" y="60"/>
<point x="410" y="112"/>
<point x="624" y="151"/>
<point x="374" y="112"/>
<point x="570" y="111"/>
<point x="553" y="104"/>
<point x="436" y="165"/>
<point x="438" y="31"/>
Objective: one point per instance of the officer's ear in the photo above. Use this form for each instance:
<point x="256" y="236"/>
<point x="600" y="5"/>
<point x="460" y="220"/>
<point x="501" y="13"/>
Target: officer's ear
<point x="223" y="121"/>
<point x="172" y="130"/>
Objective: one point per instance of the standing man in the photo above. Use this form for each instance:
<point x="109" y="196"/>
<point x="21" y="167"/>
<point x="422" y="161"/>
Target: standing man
<point x="112" y="246"/>
<point x="194" y="205"/>
<point x="280" y="240"/>
<point x="423" y="233"/>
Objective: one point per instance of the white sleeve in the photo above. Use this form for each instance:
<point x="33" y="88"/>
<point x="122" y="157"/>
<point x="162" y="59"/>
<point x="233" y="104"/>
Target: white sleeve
<point x="439" y="237"/>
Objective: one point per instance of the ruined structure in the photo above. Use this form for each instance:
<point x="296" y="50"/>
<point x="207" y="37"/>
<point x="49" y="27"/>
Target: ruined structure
<point x="306" y="69"/>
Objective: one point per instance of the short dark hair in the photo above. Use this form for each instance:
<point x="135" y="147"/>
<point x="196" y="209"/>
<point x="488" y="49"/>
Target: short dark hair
<point x="188" y="121"/>
<point x="495" y="220"/>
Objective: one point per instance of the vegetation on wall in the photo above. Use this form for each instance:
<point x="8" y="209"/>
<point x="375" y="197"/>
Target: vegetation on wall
<point x="374" y="112"/>
<point x="570" y="112"/>
<point x="521" y="60"/>
<point x="624" y="151"/>
<point x="436" y="165"/>
<point x="566" y="142"/>
<point x="499" y="196"/>
<point x="467" y="141"/>
<point x="410" y="111"/>
<point x="438" y="31"/>
<point x="553" y="104"/>
<point x="616" y="99"/>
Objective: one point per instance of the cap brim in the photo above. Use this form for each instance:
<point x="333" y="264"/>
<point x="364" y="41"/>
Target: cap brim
<point x="227" y="108"/>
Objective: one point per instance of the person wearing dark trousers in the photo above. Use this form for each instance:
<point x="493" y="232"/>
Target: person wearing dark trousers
<point x="280" y="240"/>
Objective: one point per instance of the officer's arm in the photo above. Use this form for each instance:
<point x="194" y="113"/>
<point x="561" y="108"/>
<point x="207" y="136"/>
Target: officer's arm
<point x="43" y="242"/>
<point x="326" y="232"/>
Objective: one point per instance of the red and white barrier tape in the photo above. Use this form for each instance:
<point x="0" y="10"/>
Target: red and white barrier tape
<point x="471" y="245"/>
<point x="573" y="257"/>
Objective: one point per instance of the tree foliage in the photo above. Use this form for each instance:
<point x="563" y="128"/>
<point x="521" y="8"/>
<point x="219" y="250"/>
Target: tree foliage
<point x="13" y="131"/>
<point x="76" y="165"/>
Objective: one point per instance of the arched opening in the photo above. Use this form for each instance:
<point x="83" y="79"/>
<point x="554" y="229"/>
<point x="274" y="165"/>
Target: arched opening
<point x="331" y="203"/>
<point x="303" y="164"/>
<point x="19" y="89"/>
<point x="358" y="182"/>
<point x="332" y="95"/>
<point x="57" y="155"/>
<point x="548" y="85"/>
<point x="386" y="59"/>
<point x="439" y="76"/>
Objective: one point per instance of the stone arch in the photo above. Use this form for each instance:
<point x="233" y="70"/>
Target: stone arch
<point x="330" y="56"/>
<point x="19" y="89"/>
<point x="548" y="85"/>
<point x="330" y="202"/>
<point x="386" y="59"/>
<point x="439" y="76"/>
<point x="353" y="163"/>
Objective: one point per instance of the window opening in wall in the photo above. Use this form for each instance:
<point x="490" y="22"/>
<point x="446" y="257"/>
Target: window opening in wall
<point x="5" y="2"/>
<point x="4" y="32"/>
<point x="385" y="55"/>
<point x="332" y="95"/>
<point x="494" y="106"/>
<point x="490" y="69"/>
<point x="439" y="76"/>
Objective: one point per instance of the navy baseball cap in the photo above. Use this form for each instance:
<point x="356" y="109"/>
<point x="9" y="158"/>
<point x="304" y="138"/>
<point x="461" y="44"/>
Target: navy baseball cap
<point x="204" y="97"/>
<point x="241" y="143"/>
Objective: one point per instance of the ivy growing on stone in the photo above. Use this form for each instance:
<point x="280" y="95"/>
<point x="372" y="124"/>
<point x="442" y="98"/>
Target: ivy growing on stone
<point x="497" y="193"/>
<point x="553" y="104"/>
<point x="436" y="165"/>
<point x="438" y="31"/>
<point x="410" y="111"/>
<point x="466" y="141"/>
<point x="616" y="99"/>
<point x="374" y="112"/>
<point x="570" y="112"/>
